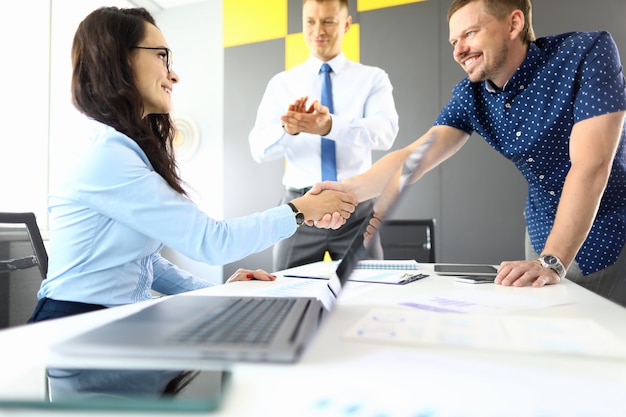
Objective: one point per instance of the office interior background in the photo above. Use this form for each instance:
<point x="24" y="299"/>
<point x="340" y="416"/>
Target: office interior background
<point x="225" y="51"/>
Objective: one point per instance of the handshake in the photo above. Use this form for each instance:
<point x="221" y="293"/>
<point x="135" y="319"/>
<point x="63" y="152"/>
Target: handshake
<point x="327" y="205"/>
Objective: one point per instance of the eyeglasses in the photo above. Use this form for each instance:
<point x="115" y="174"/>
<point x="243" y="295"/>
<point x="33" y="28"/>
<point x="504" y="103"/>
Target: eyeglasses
<point x="167" y="52"/>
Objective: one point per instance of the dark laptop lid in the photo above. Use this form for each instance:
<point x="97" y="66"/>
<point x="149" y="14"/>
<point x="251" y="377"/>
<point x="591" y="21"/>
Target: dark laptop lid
<point x="389" y="198"/>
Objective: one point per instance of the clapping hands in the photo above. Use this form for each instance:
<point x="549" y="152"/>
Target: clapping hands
<point x="315" y="119"/>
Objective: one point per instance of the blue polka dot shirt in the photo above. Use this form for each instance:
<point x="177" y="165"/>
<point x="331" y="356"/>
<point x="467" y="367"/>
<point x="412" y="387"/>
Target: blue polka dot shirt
<point x="563" y="80"/>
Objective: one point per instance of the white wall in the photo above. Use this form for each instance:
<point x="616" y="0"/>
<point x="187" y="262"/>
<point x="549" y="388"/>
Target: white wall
<point x="67" y="128"/>
<point x="194" y="33"/>
<point x="41" y="127"/>
<point x="24" y="29"/>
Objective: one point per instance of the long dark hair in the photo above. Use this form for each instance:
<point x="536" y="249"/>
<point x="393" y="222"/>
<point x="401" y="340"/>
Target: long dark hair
<point x="103" y="86"/>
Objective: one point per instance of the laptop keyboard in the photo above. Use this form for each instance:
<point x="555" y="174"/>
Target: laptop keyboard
<point x="243" y="320"/>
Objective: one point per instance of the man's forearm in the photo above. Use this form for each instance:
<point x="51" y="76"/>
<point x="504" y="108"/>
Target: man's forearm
<point x="575" y="214"/>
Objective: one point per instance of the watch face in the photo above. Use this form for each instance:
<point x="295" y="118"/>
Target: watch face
<point x="299" y="219"/>
<point x="550" y="260"/>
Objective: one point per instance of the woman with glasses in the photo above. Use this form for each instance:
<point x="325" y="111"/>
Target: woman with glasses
<point x="125" y="200"/>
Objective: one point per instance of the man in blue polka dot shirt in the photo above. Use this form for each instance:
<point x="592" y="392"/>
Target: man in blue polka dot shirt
<point x="555" y="107"/>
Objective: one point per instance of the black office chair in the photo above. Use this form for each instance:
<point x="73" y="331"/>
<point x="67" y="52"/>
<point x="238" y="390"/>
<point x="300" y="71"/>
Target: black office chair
<point x="23" y="264"/>
<point x="409" y="239"/>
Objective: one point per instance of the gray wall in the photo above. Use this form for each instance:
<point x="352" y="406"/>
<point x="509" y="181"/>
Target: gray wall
<point x="477" y="197"/>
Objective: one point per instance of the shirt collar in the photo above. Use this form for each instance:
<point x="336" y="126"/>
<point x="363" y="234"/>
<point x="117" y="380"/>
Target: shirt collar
<point x="523" y="75"/>
<point x="337" y="63"/>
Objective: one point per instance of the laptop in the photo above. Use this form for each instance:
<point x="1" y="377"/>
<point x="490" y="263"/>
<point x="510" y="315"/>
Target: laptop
<point x="222" y="329"/>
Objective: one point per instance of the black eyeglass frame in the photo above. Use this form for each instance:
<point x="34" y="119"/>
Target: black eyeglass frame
<point x="168" y="54"/>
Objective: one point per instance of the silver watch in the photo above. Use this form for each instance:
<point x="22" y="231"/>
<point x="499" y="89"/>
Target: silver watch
<point x="553" y="262"/>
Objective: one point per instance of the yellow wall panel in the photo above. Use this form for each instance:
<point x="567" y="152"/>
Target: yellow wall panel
<point x="297" y="52"/>
<point x="249" y="21"/>
<point x="352" y="43"/>
<point x="364" y="5"/>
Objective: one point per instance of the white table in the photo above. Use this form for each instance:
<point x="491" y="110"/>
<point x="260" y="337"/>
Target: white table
<point x="340" y="376"/>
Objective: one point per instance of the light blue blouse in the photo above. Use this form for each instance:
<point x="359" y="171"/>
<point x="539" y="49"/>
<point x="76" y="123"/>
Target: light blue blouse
<point x="112" y="215"/>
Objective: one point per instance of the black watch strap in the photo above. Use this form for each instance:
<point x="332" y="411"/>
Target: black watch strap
<point x="299" y="215"/>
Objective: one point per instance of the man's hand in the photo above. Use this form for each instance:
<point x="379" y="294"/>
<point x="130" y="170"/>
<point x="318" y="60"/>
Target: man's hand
<point x="289" y="122"/>
<point x="314" y="206"/>
<point x="315" y="119"/>
<point x="522" y="273"/>
<point x="328" y="221"/>
<point x="372" y="229"/>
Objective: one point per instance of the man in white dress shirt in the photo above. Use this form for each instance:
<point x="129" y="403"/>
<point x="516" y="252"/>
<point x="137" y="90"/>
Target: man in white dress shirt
<point x="291" y="121"/>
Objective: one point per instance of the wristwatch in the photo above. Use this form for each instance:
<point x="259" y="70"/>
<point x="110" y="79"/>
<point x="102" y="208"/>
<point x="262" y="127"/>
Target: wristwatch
<point x="553" y="262"/>
<point x="299" y="215"/>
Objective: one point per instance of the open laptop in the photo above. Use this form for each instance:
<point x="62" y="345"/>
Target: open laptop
<point x="220" y="328"/>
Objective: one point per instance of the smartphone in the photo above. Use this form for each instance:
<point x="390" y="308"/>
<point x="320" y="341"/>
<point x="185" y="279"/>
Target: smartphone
<point x="466" y="269"/>
<point x="476" y="279"/>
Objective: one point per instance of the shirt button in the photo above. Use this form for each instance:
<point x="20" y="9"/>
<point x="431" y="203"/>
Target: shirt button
<point x="507" y="105"/>
<point x="551" y="193"/>
<point x="530" y="160"/>
<point x="521" y="87"/>
<point x="518" y="134"/>
<point x="542" y="176"/>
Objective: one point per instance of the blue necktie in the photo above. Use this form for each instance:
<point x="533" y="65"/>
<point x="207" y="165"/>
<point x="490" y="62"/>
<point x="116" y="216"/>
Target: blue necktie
<point x="329" y="163"/>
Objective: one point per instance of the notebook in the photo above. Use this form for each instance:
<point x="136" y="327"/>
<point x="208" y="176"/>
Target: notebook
<point x="222" y="329"/>
<point x="403" y="264"/>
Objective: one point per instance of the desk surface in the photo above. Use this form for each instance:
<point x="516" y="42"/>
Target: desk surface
<point x="343" y="376"/>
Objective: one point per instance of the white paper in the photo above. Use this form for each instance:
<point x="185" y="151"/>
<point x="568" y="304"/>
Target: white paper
<point x="471" y="301"/>
<point x="528" y="334"/>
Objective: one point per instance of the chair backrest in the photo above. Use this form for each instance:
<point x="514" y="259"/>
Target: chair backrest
<point x="23" y="264"/>
<point x="409" y="239"/>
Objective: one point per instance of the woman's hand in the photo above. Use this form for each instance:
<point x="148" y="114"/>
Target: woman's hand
<point x="321" y="201"/>
<point x="248" y="274"/>
<point x="328" y="220"/>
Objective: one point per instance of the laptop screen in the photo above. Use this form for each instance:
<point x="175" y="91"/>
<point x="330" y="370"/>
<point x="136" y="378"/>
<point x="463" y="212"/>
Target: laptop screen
<point x="388" y="199"/>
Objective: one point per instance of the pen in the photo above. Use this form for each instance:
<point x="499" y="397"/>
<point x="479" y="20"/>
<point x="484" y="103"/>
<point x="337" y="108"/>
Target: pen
<point x="303" y="276"/>
<point x="412" y="278"/>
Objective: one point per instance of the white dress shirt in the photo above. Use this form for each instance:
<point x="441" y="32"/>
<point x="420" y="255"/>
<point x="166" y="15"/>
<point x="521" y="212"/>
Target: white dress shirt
<point x="365" y="119"/>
